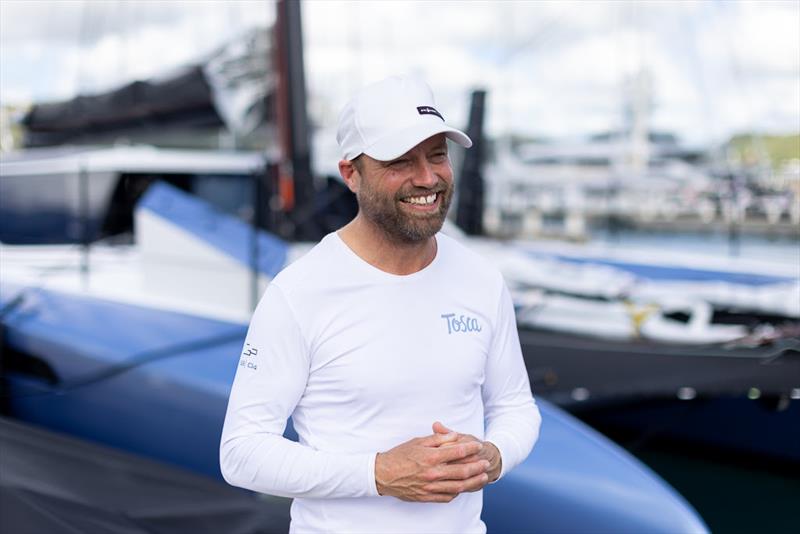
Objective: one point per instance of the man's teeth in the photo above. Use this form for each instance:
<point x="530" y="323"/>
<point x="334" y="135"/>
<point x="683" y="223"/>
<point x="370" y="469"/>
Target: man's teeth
<point x="430" y="199"/>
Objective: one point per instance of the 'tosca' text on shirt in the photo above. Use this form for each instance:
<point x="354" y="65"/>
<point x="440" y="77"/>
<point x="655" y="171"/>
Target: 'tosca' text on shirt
<point x="461" y="323"/>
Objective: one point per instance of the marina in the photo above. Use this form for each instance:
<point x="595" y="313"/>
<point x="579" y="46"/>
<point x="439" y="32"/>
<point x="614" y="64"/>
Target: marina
<point x="61" y="369"/>
<point x="656" y="286"/>
<point x="100" y="272"/>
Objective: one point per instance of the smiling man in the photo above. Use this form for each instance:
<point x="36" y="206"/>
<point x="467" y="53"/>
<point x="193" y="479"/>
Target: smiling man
<point x="427" y="198"/>
<point x="381" y="335"/>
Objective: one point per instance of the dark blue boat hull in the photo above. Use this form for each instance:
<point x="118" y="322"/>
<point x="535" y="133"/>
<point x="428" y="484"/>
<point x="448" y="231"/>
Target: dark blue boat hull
<point x="156" y="383"/>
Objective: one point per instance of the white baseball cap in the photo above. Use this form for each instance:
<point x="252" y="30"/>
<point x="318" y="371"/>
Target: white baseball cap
<point x="386" y="119"/>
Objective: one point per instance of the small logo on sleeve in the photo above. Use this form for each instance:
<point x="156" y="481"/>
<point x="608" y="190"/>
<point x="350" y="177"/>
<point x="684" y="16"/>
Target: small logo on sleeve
<point x="249" y="358"/>
<point x="428" y="110"/>
<point x="460" y="323"/>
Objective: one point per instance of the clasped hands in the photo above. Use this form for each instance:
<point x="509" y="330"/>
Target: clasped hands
<point x="437" y="468"/>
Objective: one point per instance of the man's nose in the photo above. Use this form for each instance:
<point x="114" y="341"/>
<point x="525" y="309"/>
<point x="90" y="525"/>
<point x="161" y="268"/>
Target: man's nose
<point x="425" y="174"/>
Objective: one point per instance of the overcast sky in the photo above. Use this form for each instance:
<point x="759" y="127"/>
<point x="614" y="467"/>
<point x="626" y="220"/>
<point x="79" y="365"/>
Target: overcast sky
<point x="555" y="69"/>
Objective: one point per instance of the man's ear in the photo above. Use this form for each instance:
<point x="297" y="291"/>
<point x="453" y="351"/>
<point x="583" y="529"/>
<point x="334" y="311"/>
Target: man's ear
<point x="349" y="174"/>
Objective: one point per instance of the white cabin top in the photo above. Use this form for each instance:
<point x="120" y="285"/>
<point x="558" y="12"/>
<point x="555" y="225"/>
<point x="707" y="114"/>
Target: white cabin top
<point x="129" y="159"/>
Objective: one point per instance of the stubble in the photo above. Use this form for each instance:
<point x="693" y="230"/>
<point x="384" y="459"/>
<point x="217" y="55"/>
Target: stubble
<point x="386" y="213"/>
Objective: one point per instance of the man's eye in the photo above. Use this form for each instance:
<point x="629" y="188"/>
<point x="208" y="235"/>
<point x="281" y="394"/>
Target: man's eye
<point x="439" y="156"/>
<point x="398" y="162"/>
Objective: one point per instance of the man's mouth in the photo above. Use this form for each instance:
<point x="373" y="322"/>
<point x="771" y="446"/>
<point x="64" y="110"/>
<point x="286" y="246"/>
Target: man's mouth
<point x="422" y="200"/>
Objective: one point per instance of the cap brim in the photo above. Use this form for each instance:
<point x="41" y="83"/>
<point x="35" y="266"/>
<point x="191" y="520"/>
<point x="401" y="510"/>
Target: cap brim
<point x="398" y="143"/>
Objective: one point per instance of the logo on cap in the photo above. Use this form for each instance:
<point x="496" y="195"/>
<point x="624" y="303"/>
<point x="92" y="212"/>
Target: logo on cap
<point x="427" y="110"/>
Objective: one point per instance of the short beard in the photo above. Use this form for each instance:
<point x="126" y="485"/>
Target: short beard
<point x="398" y="226"/>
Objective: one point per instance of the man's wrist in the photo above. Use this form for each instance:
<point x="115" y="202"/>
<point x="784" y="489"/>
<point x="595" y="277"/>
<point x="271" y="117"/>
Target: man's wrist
<point x="378" y="485"/>
<point x="495" y="462"/>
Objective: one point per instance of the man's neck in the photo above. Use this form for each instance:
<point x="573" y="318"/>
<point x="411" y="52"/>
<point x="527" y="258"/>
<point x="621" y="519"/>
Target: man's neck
<point x="374" y="246"/>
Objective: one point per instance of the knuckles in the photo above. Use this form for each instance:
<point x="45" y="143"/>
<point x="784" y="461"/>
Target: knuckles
<point x="467" y="468"/>
<point x="430" y="475"/>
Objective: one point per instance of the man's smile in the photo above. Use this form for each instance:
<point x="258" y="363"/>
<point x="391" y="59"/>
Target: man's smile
<point x="422" y="200"/>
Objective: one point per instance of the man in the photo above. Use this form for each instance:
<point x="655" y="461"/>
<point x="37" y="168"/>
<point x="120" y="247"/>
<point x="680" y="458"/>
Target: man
<point x="385" y="332"/>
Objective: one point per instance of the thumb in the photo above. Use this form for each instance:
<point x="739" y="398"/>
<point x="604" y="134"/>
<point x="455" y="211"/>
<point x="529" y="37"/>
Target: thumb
<point x="439" y="428"/>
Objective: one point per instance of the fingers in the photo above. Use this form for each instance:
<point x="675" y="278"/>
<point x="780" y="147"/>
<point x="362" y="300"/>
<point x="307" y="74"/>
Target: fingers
<point x="457" y="472"/>
<point x="439" y="428"/>
<point x="471" y="458"/>
<point x="457" y="451"/>
<point x="473" y="483"/>
<point x="436" y="440"/>
<point x="462" y="438"/>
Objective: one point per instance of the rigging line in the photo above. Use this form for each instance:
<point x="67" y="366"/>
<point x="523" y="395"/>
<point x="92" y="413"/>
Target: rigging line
<point x="540" y="35"/>
<point x="138" y="360"/>
<point x="86" y="33"/>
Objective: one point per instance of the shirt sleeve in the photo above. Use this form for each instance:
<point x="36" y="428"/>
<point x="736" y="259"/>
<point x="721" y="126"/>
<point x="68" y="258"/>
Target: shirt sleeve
<point x="512" y="419"/>
<point x="270" y="381"/>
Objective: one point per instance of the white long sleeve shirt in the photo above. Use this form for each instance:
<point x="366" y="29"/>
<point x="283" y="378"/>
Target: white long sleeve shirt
<point x="364" y="360"/>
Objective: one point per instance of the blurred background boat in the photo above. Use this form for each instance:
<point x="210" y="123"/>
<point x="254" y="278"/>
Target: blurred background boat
<point x="695" y="347"/>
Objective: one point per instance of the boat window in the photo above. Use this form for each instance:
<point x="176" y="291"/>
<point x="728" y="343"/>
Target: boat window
<point x="229" y="193"/>
<point x="49" y="209"/>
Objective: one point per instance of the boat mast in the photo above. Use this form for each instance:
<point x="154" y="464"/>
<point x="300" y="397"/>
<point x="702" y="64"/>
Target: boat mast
<point x="295" y="181"/>
<point x="469" y="212"/>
